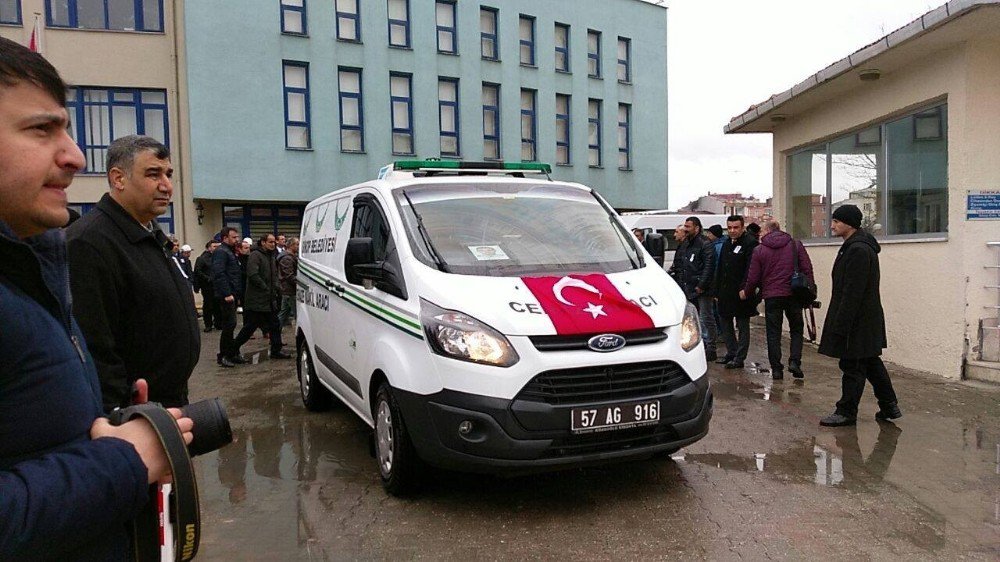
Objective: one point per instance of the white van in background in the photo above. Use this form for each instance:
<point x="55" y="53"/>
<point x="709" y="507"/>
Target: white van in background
<point x="482" y="320"/>
<point x="664" y="222"/>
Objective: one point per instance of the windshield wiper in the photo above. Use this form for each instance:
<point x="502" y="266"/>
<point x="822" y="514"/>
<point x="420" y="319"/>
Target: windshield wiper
<point x="438" y="261"/>
<point x="629" y="250"/>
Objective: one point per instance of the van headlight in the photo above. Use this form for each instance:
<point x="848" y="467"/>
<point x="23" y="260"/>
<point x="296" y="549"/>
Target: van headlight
<point x="460" y="336"/>
<point x="690" y="328"/>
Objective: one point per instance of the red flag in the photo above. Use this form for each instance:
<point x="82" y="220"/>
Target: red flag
<point x="35" y="43"/>
<point x="586" y="304"/>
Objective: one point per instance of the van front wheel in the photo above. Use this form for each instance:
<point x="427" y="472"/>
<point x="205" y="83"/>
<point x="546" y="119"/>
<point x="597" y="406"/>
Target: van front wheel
<point x="315" y="396"/>
<point x="398" y="463"/>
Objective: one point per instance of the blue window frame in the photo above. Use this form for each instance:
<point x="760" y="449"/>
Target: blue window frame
<point x="624" y="60"/>
<point x="526" y="32"/>
<point x="10" y="11"/>
<point x="352" y="114"/>
<point x="401" y="108"/>
<point x="349" y="21"/>
<point x="447" y="29"/>
<point x="293" y="17"/>
<point x="296" y="87"/>
<point x="491" y="121"/>
<point x="562" y="129"/>
<point x="624" y="136"/>
<point x="100" y="115"/>
<point x="562" y="47"/>
<point x="399" y="23"/>
<point x="257" y="220"/>
<point x="529" y="125"/>
<point x="594" y="133"/>
<point x="488" y="33"/>
<point x="165" y="221"/>
<point x="118" y="15"/>
<point x="593" y="53"/>
<point x="448" y="120"/>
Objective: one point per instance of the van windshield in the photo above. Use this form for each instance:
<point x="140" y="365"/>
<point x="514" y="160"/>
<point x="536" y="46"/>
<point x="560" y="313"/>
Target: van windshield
<point x="513" y="230"/>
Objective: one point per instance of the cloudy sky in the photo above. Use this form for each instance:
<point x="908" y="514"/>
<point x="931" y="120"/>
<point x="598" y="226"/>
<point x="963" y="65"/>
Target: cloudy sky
<point x="726" y="55"/>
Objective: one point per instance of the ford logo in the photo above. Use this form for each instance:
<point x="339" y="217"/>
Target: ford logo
<point x="606" y="342"/>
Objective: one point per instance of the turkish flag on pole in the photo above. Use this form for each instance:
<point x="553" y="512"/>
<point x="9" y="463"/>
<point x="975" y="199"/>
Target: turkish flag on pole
<point x="35" y="43"/>
<point x="586" y="304"/>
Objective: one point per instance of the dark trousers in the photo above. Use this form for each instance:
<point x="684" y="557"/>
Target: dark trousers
<point x="737" y="339"/>
<point x="856" y="372"/>
<point x="706" y="313"/>
<point x="226" y="321"/>
<point x="210" y="311"/>
<point x="266" y="321"/>
<point x="774" y="309"/>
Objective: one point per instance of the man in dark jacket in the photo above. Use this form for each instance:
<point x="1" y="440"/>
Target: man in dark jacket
<point x="227" y="278"/>
<point x="260" y="307"/>
<point x="695" y="260"/>
<point x="771" y="268"/>
<point x="734" y="262"/>
<point x="854" y="330"/>
<point x="69" y="481"/>
<point x="203" y="283"/>
<point x="288" y="269"/>
<point x="134" y="304"/>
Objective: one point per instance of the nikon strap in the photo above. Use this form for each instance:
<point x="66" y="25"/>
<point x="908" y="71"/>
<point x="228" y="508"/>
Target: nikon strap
<point x="183" y="507"/>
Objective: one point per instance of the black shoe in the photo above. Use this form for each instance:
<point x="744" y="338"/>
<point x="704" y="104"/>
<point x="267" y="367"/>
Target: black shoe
<point x="889" y="412"/>
<point x="734" y="365"/>
<point x="777" y="375"/>
<point x="237" y="359"/>
<point x="724" y="360"/>
<point x="223" y="362"/>
<point x="796" y="370"/>
<point x="279" y="355"/>
<point x="837" y="420"/>
<point x="711" y="356"/>
<point x="207" y="329"/>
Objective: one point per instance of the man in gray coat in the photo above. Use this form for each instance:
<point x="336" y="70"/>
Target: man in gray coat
<point x="260" y="304"/>
<point x="854" y="330"/>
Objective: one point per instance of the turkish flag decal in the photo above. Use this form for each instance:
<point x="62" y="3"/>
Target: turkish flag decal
<point x="586" y="304"/>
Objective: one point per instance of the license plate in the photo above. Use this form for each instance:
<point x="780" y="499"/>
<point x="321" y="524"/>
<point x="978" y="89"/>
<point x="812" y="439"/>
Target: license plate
<point x="615" y="416"/>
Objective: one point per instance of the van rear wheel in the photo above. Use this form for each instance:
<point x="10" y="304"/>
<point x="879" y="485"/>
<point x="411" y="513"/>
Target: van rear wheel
<point x="315" y="396"/>
<point x="398" y="463"/>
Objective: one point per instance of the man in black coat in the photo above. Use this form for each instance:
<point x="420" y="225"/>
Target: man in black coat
<point x="734" y="261"/>
<point x="695" y="259"/>
<point x="133" y="303"/>
<point x="260" y="306"/>
<point x="227" y="279"/>
<point x="203" y="283"/>
<point x="854" y="330"/>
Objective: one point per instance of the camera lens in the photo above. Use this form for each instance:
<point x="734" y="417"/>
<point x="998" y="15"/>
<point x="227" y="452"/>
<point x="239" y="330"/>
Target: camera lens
<point x="211" y="426"/>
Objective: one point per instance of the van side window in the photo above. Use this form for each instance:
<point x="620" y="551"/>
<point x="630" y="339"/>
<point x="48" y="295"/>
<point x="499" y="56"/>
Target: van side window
<point x="368" y="223"/>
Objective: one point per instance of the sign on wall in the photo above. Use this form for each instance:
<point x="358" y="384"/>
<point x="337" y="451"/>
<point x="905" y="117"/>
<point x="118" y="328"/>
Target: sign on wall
<point x="983" y="205"/>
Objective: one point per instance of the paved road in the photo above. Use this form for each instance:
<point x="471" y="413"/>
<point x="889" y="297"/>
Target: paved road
<point x="767" y="482"/>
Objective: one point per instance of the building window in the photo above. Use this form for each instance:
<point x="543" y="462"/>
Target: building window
<point x="491" y="121"/>
<point x="624" y="60"/>
<point x="349" y="21"/>
<point x="293" y="17"/>
<point x="448" y="116"/>
<point x="10" y="11"/>
<point x="119" y="15"/>
<point x="399" y="23"/>
<point x="352" y="115"/>
<point x="529" y="125"/>
<point x="526" y="32"/>
<point x="593" y="53"/>
<point x="447" y="31"/>
<point x="296" y="85"/>
<point x="101" y="115"/>
<point x="488" y="33"/>
<point x="562" y="47"/>
<point x="624" y="136"/>
<point x="562" y="129"/>
<point x="594" y="133"/>
<point x="258" y="220"/>
<point x="401" y="106"/>
<point x="896" y="172"/>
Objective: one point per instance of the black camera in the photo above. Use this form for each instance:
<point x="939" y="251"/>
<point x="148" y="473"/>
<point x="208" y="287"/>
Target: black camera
<point x="211" y="426"/>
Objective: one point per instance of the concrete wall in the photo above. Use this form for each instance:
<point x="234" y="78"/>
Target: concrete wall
<point x="234" y="59"/>
<point x="931" y="290"/>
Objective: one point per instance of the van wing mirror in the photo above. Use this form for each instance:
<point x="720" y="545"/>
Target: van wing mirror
<point x="360" y="252"/>
<point x="655" y="245"/>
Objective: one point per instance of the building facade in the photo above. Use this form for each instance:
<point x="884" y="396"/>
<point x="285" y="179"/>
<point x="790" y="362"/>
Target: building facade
<point x="905" y="129"/>
<point x="290" y="99"/>
<point x="120" y="62"/>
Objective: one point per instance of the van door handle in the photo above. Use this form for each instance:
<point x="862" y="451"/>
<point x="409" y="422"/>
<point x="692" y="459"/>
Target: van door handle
<point x="337" y="287"/>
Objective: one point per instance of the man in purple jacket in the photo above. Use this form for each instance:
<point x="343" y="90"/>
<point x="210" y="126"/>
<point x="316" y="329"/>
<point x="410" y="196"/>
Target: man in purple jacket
<point x="771" y="268"/>
<point x="69" y="481"/>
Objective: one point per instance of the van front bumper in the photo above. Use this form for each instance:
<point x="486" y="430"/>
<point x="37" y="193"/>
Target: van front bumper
<point x="500" y="442"/>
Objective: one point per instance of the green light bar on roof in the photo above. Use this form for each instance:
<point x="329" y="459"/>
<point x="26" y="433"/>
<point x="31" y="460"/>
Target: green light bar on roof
<point x="463" y="165"/>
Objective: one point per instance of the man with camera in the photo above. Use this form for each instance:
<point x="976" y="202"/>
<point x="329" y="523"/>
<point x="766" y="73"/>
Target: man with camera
<point x="134" y="304"/>
<point x="69" y="480"/>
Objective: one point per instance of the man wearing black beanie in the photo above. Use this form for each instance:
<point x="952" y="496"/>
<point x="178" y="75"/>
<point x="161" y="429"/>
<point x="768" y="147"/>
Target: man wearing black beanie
<point x="854" y="330"/>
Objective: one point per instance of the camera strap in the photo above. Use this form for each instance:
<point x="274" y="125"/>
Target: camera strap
<point x="183" y="506"/>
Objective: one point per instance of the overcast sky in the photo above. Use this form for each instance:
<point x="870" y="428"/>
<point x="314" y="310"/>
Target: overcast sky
<point x="726" y="55"/>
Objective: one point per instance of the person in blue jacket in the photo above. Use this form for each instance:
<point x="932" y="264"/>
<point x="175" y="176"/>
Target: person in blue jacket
<point x="69" y="481"/>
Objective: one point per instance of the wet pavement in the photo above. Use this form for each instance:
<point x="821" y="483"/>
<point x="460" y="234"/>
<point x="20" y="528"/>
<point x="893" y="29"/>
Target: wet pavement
<point x="767" y="482"/>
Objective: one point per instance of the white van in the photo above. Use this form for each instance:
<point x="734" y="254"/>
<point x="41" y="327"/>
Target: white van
<point x="484" y="321"/>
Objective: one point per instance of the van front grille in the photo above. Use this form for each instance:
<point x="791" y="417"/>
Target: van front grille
<point x="605" y="383"/>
